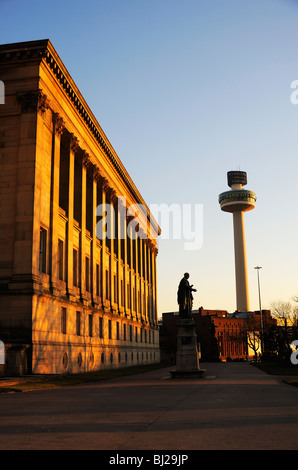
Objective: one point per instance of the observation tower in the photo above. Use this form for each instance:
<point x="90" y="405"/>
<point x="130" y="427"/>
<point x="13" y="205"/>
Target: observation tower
<point x="237" y="201"/>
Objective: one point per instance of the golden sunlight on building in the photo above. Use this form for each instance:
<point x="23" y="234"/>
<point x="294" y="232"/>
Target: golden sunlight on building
<point x="71" y="299"/>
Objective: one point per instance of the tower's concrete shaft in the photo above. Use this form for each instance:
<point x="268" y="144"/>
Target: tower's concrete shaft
<point x="242" y="293"/>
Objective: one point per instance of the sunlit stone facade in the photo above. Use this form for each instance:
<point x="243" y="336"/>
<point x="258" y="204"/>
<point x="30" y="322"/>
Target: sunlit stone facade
<point x="71" y="299"/>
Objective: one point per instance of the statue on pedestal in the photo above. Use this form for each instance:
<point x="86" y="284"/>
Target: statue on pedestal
<point x="185" y="297"/>
<point x="187" y="356"/>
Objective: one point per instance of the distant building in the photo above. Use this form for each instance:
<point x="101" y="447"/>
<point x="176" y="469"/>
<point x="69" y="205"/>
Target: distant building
<point x="71" y="300"/>
<point x="221" y="336"/>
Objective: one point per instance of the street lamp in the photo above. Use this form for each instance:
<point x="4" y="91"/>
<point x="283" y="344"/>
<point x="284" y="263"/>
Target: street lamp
<point x="261" y="316"/>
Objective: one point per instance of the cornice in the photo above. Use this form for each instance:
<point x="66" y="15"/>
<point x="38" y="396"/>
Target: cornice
<point x="23" y="51"/>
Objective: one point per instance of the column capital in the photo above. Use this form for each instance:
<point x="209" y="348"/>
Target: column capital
<point x="33" y="101"/>
<point x="152" y="247"/>
<point x="82" y="156"/>
<point x="70" y="140"/>
<point x="149" y="243"/>
<point x="112" y="194"/>
<point x="93" y="171"/>
<point x="85" y="159"/>
<point x="102" y="182"/>
<point x="58" y="123"/>
<point x="74" y="143"/>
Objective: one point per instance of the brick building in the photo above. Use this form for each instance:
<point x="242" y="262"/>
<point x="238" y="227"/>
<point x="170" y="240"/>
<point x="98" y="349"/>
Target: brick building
<point x="71" y="299"/>
<point x="221" y="336"/>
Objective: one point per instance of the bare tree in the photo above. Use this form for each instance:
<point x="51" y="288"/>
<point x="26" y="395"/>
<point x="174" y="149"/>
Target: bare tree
<point x="286" y="315"/>
<point x="284" y="312"/>
<point x="295" y="311"/>
<point x="252" y="335"/>
<point x="254" y="342"/>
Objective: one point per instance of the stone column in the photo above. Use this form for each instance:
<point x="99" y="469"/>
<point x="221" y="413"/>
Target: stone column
<point x="102" y="183"/>
<point x="149" y="281"/>
<point x="141" y="281"/>
<point x="112" y="197"/>
<point x="95" y="172"/>
<point x="130" y="261"/>
<point x="135" y="241"/>
<point x="119" y="255"/>
<point x="154" y="287"/>
<point x="84" y="161"/>
<point x="145" y="280"/>
<point x="73" y="147"/>
<point x="58" y="127"/>
<point x="123" y="236"/>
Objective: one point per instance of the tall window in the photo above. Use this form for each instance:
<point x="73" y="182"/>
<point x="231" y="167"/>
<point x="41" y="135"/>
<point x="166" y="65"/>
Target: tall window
<point x="61" y="260"/>
<point x="107" y="285"/>
<point x="63" y="320"/>
<point x="122" y="293"/>
<point x="115" y="289"/>
<point x="128" y="296"/>
<point x="77" y="196"/>
<point x="89" y="202"/>
<point x="43" y="250"/>
<point x="118" y="330"/>
<point x="97" y="280"/>
<point x="75" y="267"/>
<point x="78" y="323"/>
<point x="64" y="174"/>
<point x="110" y="329"/>
<point x="87" y="273"/>
<point x="134" y="299"/>
<point x="100" y="327"/>
<point x="90" y="324"/>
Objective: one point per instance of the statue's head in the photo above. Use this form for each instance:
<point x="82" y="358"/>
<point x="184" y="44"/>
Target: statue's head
<point x="186" y="275"/>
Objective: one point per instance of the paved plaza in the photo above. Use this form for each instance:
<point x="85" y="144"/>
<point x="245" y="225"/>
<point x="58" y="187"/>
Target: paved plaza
<point x="236" y="406"/>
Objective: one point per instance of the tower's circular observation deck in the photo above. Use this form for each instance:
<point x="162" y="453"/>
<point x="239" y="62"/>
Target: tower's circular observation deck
<point x="237" y="200"/>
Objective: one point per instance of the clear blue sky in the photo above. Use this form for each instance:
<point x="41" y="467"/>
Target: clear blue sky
<point x="187" y="90"/>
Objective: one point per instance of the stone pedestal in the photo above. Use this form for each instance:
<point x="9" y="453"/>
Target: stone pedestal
<point x="187" y="357"/>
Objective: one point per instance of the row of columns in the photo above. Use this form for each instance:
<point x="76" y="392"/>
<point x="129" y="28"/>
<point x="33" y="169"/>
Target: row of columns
<point x="145" y="289"/>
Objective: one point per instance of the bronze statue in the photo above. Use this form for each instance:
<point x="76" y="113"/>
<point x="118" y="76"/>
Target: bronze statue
<point x="185" y="297"/>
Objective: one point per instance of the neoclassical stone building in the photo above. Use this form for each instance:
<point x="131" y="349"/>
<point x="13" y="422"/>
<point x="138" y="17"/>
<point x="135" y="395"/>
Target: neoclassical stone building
<point x="72" y="298"/>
